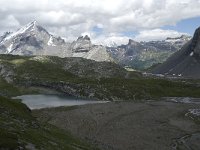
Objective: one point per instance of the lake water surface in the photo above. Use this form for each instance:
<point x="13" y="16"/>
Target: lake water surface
<point x="45" y="101"/>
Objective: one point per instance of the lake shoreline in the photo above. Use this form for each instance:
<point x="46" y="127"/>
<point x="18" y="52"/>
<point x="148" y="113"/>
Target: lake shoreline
<point x="39" y="101"/>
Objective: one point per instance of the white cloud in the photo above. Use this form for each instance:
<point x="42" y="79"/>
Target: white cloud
<point x="9" y="21"/>
<point x="157" y="34"/>
<point x="111" y="39"/>
<point x="73" y="17"/>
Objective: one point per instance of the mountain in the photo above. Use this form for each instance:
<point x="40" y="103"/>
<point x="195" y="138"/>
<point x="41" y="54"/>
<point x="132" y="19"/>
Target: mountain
<point x="33" y="39"/>
<point x="141" y="55"/>
<point x="84" y="48"/>
<point x="185" y="62"/>
<point x="179" y="41"/>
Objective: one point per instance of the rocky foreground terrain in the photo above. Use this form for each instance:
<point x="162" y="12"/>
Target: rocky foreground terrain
<point x="170" y="124"/>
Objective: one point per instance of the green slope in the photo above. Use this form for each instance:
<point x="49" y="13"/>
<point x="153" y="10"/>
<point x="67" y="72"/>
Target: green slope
<point x="19" y="130"/>
<point x="86" y="79"/>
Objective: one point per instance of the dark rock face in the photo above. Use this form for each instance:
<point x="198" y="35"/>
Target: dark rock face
<point x="132" y="42"/>
<point x="83" y="38"/>
<point x="195" y="45"/>
<point x="87" y="38"/>
<point x="184" y="63"/>
<point x="30" y="40"/>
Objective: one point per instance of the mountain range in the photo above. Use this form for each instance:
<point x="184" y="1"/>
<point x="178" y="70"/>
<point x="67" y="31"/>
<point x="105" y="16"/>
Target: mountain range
<point x="33" y="39"/>
<point x="141" y="55"/>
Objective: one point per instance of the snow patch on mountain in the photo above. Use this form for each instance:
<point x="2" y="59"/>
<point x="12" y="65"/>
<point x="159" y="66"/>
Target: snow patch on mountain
<point x="50" y="42"/>
<point x="9" y="49"/>
<point x="191" y="54"/>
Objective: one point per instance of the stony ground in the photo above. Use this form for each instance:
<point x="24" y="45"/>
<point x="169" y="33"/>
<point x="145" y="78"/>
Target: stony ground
<point x="130" y="126"/>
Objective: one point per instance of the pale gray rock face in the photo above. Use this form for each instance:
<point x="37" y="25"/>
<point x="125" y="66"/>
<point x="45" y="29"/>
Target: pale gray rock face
<point x="82" y="44"/>
<point x="84" y="48"/>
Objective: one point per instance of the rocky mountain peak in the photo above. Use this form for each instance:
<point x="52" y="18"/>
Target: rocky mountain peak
<point x="28" y="27"/>
<point x="185" y="36"/>
<point x="132" y="42"/>
<point x="83" y="38"/>
<point x="179" y="38"/>
<point x="82" y="44"/>
<point x="32" y="24"/>
<point x="87" y="38"/>
<point x="30" y="39"/>
<point x="80" y="38"/>
<point x="32" y="28"/>
<point x="4" y="36"/>
<point x="178" y="41"/>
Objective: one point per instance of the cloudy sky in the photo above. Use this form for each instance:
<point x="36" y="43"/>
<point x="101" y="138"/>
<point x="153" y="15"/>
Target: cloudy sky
<point x="104" y="19"/>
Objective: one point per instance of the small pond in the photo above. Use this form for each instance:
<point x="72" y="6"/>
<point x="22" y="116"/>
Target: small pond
<point x="46" y="101"/>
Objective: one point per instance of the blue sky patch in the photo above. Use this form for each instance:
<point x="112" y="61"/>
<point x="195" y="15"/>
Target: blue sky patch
<point x="187" y="25"/>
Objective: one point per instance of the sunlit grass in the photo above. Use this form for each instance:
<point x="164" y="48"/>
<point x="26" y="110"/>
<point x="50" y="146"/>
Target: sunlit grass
<point x="17" y="61"/>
